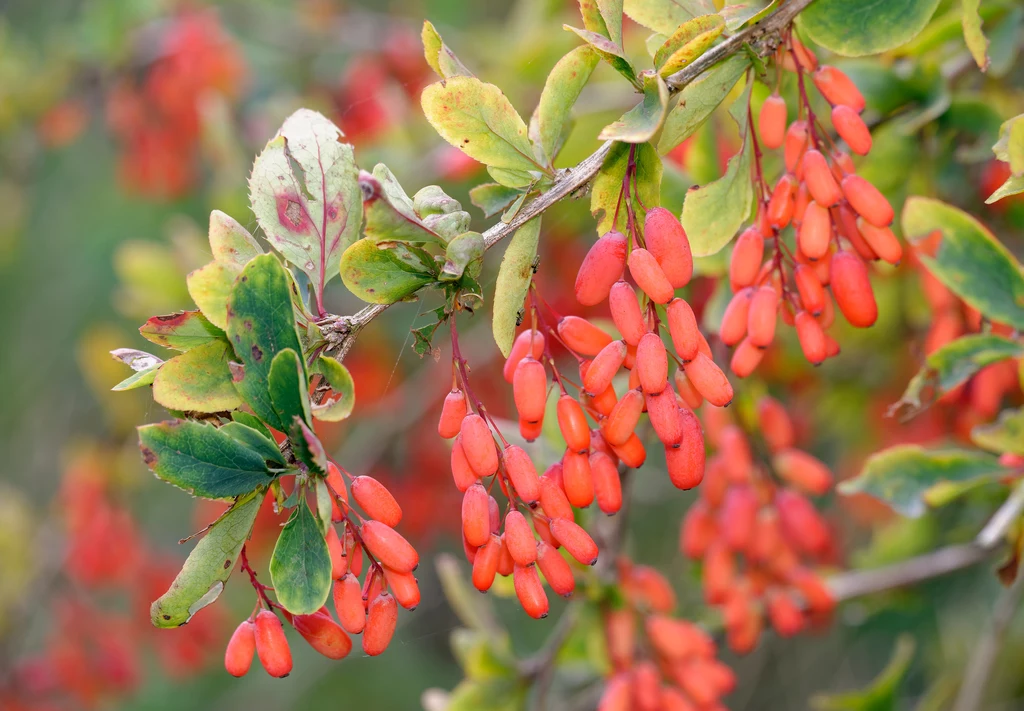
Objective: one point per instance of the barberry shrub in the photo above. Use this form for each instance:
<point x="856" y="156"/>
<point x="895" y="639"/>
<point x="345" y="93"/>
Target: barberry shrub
<point x="632" y="368"/>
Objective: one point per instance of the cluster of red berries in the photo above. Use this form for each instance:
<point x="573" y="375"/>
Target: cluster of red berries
<point x="157" y="118"/>
<point x="841" y="221"/>
<point x="757" y="532"/>
<point x="369" y="608"/>
<point x="677" y="669"/>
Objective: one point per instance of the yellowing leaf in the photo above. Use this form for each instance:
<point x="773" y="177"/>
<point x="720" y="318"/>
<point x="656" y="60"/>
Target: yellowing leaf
<point x="440" y="58"/>
<point x="690" y="40"/>
<point x="513" y="282"/>
<point x="209" y="287"/>
<point x="639" y="124"/>
<point x="561" y="89"/>
<point x="699" y="99"/>
<point x="230" y="242"/>
<point x="198" y="380"/>
<point x="604" y="194"/>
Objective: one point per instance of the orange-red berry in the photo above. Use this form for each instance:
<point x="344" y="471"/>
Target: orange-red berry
<point x="389" y="547"/>
<point x="666" y="239"/>
<point x="601" y="268"/>
<point x="271" y="645"/>
<point x="530" y="591"/>
<point x="709" y="380"/>
<point x="478" y="445"/>
<point x="772" y="122"/>
<point x="381" y="620"/>
<point x="582" y="336"/>
<point x="376" y="500"/>
<point x="240" y="650"/>
<point x="838" y="88"/>
<point x="649" y="276"/>
<point x="851" y="287"/>
<point x="575" y="540"/>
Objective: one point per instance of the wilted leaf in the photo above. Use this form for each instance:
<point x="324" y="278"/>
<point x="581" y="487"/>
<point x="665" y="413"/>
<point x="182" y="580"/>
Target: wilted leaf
<point x="301" y="565"/>
<point x="609" y="51"/>
<point x="440" y="58"/>
<point x="202" y="460"/>
<point x="376" y="275"/>
<point x="386" y="220"/>
<point x="561" y="89"/>
<point x="513" y="282"/>
<point x="951" y="365"/>
<point x="970" y="261"/>
<point x="699" y="99"/>
<point x="209" y="565"/>
<point x="305" y="194"/>
<point x="713" y="213"/>
<point x="903" y="476"/>
<point x="180" y="331"/>
<point x="335" y="409"/>
<point x="136" y="360"/>
<point x="854" y="28"/>
<point x="464" y="254"/>
<point x="230" y="242"/>
<point x="690" y="40"/>
<point x="639" y="124"/>
<point x="198" y="380"/>
<point x="1004" y="435"/>
<point x="604" y="194"/>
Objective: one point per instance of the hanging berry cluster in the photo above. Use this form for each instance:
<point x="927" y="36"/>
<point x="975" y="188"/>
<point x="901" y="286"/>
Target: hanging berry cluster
<point x="840" y="221"/>
<point x="756" y="531"/>
<point x="370" y="608"/>
<point x="677" y="669"/>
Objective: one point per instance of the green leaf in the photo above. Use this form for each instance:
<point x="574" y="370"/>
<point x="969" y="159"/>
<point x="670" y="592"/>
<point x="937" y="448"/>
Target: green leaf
<point x="712" y="214"/>
<point x="1004" y="435"/>
<point x="690" y="40"/>
<point x="611" y="13"/>
<point x="740" y="13"/>
<point x="423" y="335"/>
<point x="639" y="124"/>
<point x="561" y="89"/>
<point x="608" y="51"/>
<point x="251" y="421"/>
<point x="517" y="179"/>
<point x="903" y="476"/>
<point x="953" y="364"/>
<point x="464" y="254"/>
<point x="699" y="99"/>
<point x="386" y="220"/>
<point x="289" y="393"/>
<point x="335" y="409"/>
<point x="260" y="325"/>
<point x="492" y="198"/>
<point x="1014" y="185"/>
<point x="604" y="194"/>
<point x="374" y="274"/>
<point x="440" y="58"/>
<point x="301" y="565"/>
<point x="137" y="379"/>
<point x="230" y="242"/>
<point x="433" y="200"/>
<point x="209" y="287"/>
<point x="883" y="693"/>
<point x="479" y="120"/>
<point x="209" y="565"/>
<point x="308" y="448"/>
<point x="393" y="189"/>
<point x="973" y="35"/>
<point x="664" y="16"/>
<point x="854" y="28"/>
<point x="201" y="459"/>
<point x="1010" y="146"/>
<point x="513" y="282"/>
<point x="255" y="440"/>
<point x="198" y="380"/>
<point x="305" y="194"/>
<point x="180" y="331"/>
<point x="970" y="261"/>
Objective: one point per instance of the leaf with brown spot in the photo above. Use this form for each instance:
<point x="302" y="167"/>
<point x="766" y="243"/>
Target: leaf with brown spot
<point x="198" y="380"/>
<point x="180" y="331"/>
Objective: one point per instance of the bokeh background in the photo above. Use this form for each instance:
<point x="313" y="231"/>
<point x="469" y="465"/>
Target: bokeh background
<point x="122" y="124"/>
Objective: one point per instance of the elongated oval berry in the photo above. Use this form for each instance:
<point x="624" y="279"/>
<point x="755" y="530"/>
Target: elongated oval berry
<point x="476" y="526"/>
<point x="772" y="122"/>
<point x="530" y="389"/>
<point x="738" y="516"/>
<point x="555" y="570"/>
<point x="463" y="474"/>
<point x="851" y="128"/>
<point x="607" y="484"/>
<point x="882" y="241"/>
<point x="812" y="293"/>
<point x="625" y="311"/>
<point x="522" y="546"/>
<point x="820" y="182"/>
<point x="746" y="258"/>
<point x="795" y="145"/>
<point x="404" y="587"/>
<point x="683" y="329"/>
<point x="631" y="452"/>
<point x="815" y="232"/>
<point x="666" y="240"/>
<point x="339" y="562"/>
<point x="374" y="498"/>
<point x="851" y="287"/>
<point x="603" y="368"/>
<point x="381" y="620"/>
<point x="271" y="645"/>
<point x="800" y="203"/>
<point x="801" y="523"/>
<point x="866" y="199"/>
<point x="736" y="316"/>
<point x="709" y="380"/>
<point x="745" y="358"/>
<point x="803" y="471"/>
<point x="849" y="227"/>
<point x="619" y="425"/>
<point x="553" y="500"/>
<point x="699" y="530"/>
<point x="323" y="634"/>
<point x="651" y="589"/>
<point x="240" y="650"/>
<point x="688" y="394"/>
<point x="652" y="364"/>
<point x="666" y="419"/>
<point x="478" y="445"/>
<point x="618" y="693"/>
<point x="582" y="336"/>
<point x="763" y="314"/>
<point x="811" y="337"/>
<point x="529" y="341"/>
<point x="530" y="591"/>
<point x="782" y="203"/>
<point x="572" y="423"/>
<point x="354" y="553"/>
<point x="505" y="562"/>
<point x="814" y="591"/>
<point x="577" y="480"/>
<point x="775" y="424"/>
<point x="452" y="413"/>
<point x="649" y="276"/>
<point x="838" y="88"/>
<point x="389" y="547"/>
<point x="575" y="540"/>
<point x="601" y="268"/>
<point x="336" y="485"/>
<point x="786" y="617"/>
<point x="485" y="564"/>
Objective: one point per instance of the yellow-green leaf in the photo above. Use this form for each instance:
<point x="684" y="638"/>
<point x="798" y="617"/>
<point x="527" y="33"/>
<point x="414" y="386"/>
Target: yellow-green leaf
<point x="609" y="52"/>
<point x="335" y="409"/>
<point x="374" y="274"/>
<point x="209" y="287"/>
<point x="639" y="124"/>
<point x="855" y="28"/>
<point x="973" y="36"/>
<point x="513" y="282"/>
<point x="561" y="89"/>
<point x="230" y="242"/>
<point x="1005" y="435"/>
<point x="198" y="380"/>
<point x="699" y="99"/>
<point x="664" y="16"/>
<point x="690" y="40"/>
<point x="440" y="58"/>
<point x="604" y="194"/>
